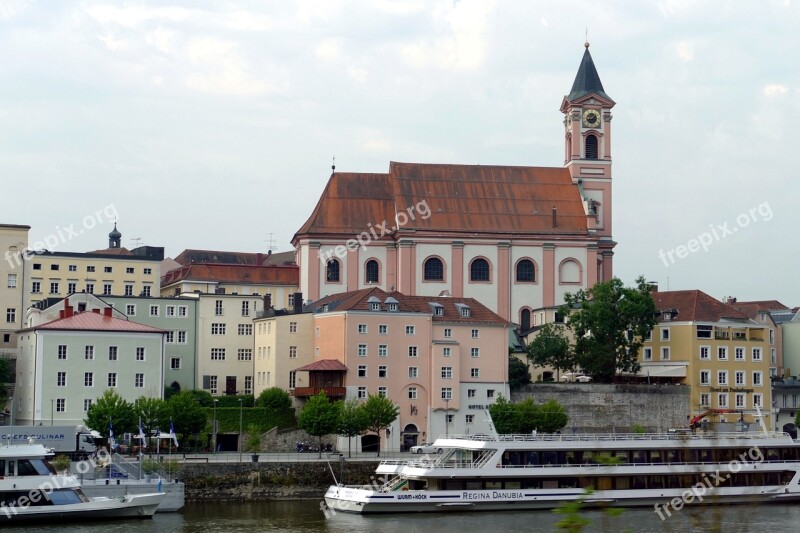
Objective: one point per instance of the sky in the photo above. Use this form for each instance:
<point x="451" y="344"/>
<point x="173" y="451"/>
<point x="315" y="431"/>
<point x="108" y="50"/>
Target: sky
<point x="213" y="125"/>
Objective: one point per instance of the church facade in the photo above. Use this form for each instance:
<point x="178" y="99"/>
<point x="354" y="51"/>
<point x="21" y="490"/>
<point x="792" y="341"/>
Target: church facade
<point x="515" y="238"/>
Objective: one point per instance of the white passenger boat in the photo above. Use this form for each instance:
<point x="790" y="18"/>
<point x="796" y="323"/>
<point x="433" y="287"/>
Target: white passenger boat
<point x="513" y="472"/>
<point x="30" y="490"/>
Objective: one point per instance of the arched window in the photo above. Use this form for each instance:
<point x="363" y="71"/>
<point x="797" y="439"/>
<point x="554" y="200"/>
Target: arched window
<point x="525" y="320"/>
<point x="479" y="270"/>
<point x="526" y="273"/>
<point x="570" y="271"/>
<point x="591" y="147"/>
<point x="333" y="271"/>
<point x="371" y="271"/>
<point x="433" y="269"/>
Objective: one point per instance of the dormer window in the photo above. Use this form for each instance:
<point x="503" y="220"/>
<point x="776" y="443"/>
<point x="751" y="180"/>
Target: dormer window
<point x="438" y="311"/>
<point x="374" y="306"/>
<point x="392" y="304"/>
<point x="392" y="307"/>
<point x="465" y="312"/>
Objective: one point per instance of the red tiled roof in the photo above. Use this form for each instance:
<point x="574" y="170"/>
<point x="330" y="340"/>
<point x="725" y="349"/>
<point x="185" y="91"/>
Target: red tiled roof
<point x="461" y="198"/>
<point x="245" y="274"/>
<point x="94" y="322"/>
<point x="753" y="308"/>
<point x="696" y="306"/>
<point x="112" y="251"/>
<point x="219" y="257"/>
<point x="333" y="365"/>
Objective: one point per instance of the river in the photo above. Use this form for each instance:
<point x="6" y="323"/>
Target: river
<point x="305" y="516"/>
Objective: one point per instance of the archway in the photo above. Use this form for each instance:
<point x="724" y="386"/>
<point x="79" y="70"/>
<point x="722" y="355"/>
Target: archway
<point x="370" y="443"/>
<point x="410" y="437"/>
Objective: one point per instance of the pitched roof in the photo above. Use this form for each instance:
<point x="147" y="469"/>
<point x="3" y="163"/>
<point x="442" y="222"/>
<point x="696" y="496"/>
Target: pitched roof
<point x="587" y="81"/>
<point x="330" y="365"/>
<point x="696" y="306"/>
<point x="94" y="322"/>
<point x="244" y="274"/>
<point x="112" y="251"/>
<point x="753" y="308"/>
<point x="189" y="256"/>
<point x="439" y="198"/>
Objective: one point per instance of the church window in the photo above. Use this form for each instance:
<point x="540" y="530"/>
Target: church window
<point x="525" y="271"/>
<point x="333" y="271"/>
<point x="372" y="271"/>
<point x="479" y="270"/>
<point x="591" y="147"/>
<point x="433" y="269"/>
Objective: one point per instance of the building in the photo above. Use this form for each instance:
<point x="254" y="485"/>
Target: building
<point x="767" y="312"/>
<point x="791" y="343"/>
<point x="13" y="244"/>
<point x="721" y="353"/>
<point x="283" y="342"/>
<point x="65" y="364"/>
<point x="513" y="238"/>
<point x="785" y="394"/>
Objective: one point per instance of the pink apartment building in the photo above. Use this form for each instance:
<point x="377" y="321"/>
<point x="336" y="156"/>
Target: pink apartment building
<point x="443" y="360"/>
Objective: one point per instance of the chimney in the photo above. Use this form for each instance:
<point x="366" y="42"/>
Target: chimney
<point x="267" y="302"/>
<point x="298" y="302"/>
<point x="652" y="286"/>
<point x="555" y="217"/>
<point x="730" y="300"/>
<point x="107" y="311"/>
<point x="61" y="314"/>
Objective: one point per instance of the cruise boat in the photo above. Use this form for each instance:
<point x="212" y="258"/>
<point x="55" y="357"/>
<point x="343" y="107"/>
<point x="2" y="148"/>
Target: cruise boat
<point x="514" y="472"/>
<point x="30" y="490"/>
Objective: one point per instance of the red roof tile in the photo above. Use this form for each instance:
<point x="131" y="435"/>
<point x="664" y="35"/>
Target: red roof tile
<point x="230" y="273"/>
<point x="331" y="365"/>
<point x="190" y="256"/>
<point x="94" y="322"/>
<point x="696" y="306"/>
<point x="112" y="251"/>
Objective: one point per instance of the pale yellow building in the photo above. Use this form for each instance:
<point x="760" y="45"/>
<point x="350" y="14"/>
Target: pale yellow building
<point x="13" y="243"/>
<point x="283" y="342"/>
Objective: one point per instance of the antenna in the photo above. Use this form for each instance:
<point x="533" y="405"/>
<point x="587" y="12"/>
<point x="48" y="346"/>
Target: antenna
<point x="137" y="241"/>
<point x="270" y="242"/>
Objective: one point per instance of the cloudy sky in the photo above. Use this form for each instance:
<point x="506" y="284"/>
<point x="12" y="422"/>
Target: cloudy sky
<point x="213" y="124"/>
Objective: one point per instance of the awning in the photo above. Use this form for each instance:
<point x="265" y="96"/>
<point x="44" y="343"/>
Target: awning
<point x="323" y="365"/>
<point x="663" y="371"/>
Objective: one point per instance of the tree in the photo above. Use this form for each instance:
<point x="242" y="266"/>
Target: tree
<point x="609" y="322"/>
<point x="551" y="348"/>
<point x="319" y="417"/>
<point x="188" y="416"/>
<point x="552" y="417"/>
<point x="274" y="398"/>
<point x="526" y="416"/>
<point x="5" y="377"/>
<point x="352" y="422"/>
<point x="518" y="373"/>
<point x="379" y="413"/>
<point x="111" y="408"/>
<point x="504" y="416"/>
<point x="203" y="397"/>
<point x="153" y="413"/>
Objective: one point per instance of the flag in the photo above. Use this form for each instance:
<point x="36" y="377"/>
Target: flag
<point x="111" y="443"/>
<point x="172" y="434"/>
<point x="141" y="434"/>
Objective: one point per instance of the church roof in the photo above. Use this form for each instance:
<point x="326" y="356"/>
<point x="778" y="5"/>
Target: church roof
<point x="587" y="81"/>
<point x="231" y="273"/>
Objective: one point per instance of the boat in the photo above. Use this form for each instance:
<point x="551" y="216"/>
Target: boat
<point x="31" y="490"/>
<point x="544" y="471"/>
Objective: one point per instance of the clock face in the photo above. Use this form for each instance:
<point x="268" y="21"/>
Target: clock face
<point x="591" y="118"/>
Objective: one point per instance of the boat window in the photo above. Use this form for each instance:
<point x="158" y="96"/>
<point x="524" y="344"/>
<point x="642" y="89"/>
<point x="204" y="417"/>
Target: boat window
<point x="621" y="456"/>
<point x="64" y="497"/>
<point x="673" y="456"/>
<point x="621" y="483"/>
<point x="639" y="456"/>
<point x="550" y="484"/>
<point x="2" y="467"/>
<point x="549" y="458"/>
<point x="40" y="467"/>
<point x="568" y="483"/>
<point x="453" y="484"/>
<point x="572" y="458"/>
<point x="655" y="456"/>
<point x="24" y="468"/>
<point x="512" y="485"/>
<point x="639" y="482"/>
<point x="706" y="456"/>
<point x="656" y="482"/>
<point x="474" y="485"/>
<point x="533" y="458"/>
<point x="494" y="485"/>
<point x="773" y="454"/>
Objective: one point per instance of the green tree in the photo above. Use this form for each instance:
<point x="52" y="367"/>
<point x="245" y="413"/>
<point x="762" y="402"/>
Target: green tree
<point x="188" y="416"/>
<point x="203" y="397"/>
<point x="528" y="416"/>
<point x="352" y="422"/>
<point x="550" y="348"/>
<point x="504" y="416"/>
<point x="518" y="373"/>
<point x="153" y="413"/>
<point x="320" y="417"/>
<point x="609" y="322"/>
<point x="379" y="413"/>
<point x="274" y="398"/>
<point x="5" y="377"/>
<point x="111" y="408"/>
<point x="552" y="417"/>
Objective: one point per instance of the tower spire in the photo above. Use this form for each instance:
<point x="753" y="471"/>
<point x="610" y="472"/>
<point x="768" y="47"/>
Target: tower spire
<point x="587" y="80"/>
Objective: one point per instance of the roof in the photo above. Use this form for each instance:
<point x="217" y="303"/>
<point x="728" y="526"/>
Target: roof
<point x="587" y="81"/>
<point x="696" y="306"/>
<point x="112" y="251"/>
<point x="360" y="301"/>
<point x="329" y="365"/>
<point x="15" y="226"/>
<point x="243" y="274"/>
<point x="90" y="321"/>
<point x="190" y="256"/>
<point x="441" y="198"/>
<point x="752" y="309"/>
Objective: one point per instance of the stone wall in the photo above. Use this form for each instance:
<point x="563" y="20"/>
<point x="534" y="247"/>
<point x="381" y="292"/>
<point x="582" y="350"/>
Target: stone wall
<point x="606" y="408"/>
<point x="284" y="441"/>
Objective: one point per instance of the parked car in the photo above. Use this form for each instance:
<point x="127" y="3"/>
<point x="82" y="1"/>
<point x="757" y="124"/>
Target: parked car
<point x="428" y="447"/>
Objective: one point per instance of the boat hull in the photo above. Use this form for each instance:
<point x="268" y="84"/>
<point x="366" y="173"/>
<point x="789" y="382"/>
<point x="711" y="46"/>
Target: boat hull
<point x="140" y="506"/>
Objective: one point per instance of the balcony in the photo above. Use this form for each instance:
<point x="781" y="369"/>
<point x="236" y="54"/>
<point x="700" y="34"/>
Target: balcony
<point x="305" y="392"/>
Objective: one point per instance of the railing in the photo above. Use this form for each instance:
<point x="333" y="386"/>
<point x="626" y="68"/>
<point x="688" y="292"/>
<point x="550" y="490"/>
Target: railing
<point x="587" y="437"/>
<point x="301" y="392"/>
<point x="394" y="484"/>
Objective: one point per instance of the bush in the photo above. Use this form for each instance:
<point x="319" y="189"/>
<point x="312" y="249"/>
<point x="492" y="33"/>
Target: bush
<point x="60" y="463"/>
<point x="274" y="398"/>
<point x="233" y="401"/>
<point x="263" y="419"/>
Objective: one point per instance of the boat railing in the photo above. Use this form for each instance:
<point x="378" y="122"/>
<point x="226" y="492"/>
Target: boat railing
<point x="592" y="437"/>
<point x="638" y="465"/>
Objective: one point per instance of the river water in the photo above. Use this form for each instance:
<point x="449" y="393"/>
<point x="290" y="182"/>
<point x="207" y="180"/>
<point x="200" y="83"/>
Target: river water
<point x="306" y="516"/>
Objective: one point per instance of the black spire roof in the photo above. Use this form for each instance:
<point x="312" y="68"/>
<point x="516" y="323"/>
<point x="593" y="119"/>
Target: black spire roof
<point x="587" y="81"/>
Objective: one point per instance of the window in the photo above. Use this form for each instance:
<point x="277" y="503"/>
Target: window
<point x="757" y="354"/>
<point x="362" y="393"/>
<point x="72" y="268"/>
<point x="112" y="379"/>
<point x="433" y="269"/>
<point x="332" y="271"/>
<point x="465" y="311"/>
<point x="130" y="309"/>
<point x="740" y="378"/>
<point x="665" y="353"/>
<point x="36" y="287"/>
<point x="11" y="315"/>
<point x="525" y="271"/>
<point x="470" y="419"/>
<point x="148" y="271"/>
<point x="362" y="329"/>
<point x="53" y="287"/>
<point x="772" y="336"/>
<point x="61" y="405"/>
<point x="245" y="308"/>
<point x="382" y="371"/>
<point x="88" y="352"/>
<point x="175" y="363"/>
<point x="292" y="327"/>
<point x="475" y="373"/>
<point x="705" y="377"/>
<point x="446" y="351"/>
<point x="107" y="269"/>
<point x="474" y="333"/>
<point x="412" y="351"/>
<point x="181" y="337"/>
<point x="88" y="379"/>
<point x="140" y="353"/>
<point x="170" y="311"/>
<point x="217" y="354"/>
<point x="447" y="393"/>
<point x="87" y="404"/>
<point x="12" y="281"/>
<point x="412" y="393"/>
<point x="129" y="270"/>
<point x="89" y="288"/>
<point x="413" y="372"/>
<point x="448" y="333"/>
<point x="475" y="352"/>
<point x="664" y="334"/>
<point x="383" y="329"/>
<point x="722" y="377"/>
<point x="757" y="379"/>
<point x="479" y="270"/>
<point x="112" y="353"/>
<point x="218" y="329"/>
<point x="490" y="393"/>
<point x="705" y="400"/>
<point x="61" y="379"/>
<point x="106" y="289"/>
<point x="169" y="338"/>
<point x="373" y="306"/>
<point x="362" y="371"/>
<point x="471" y="393"/>
<point x="290" y="300"/>
<point x="371" y="271"/>
<point x="705" y="352"/>
<point x="245" y="329"/>
<point x="722" y="353"/>
<point x="244" y="354"/>
<point x="383" y="350"/>
<point x="292" y="352"/>
<point x="449" y="418"/>
<point x="648" y="337"/>
<point x="447" y="372"/>
<point x="362" y="350"/>
<point x="757" y="402"/>
<point x="293" y="379"/>
<point x="409" y="330"/>
<point x="72" y="287"/>
<point x="153" y="310"/>
<point x="591" y="147"/>
<point x="182" y="311"/>
<point x="722" y="400"/>
<point x="648" y="354"/>
<point x="138" y="381"/>
<point x="62" y="351"/>
<point x="37" y="266"/>
<point x="218" y="310"/>
<point x="248" y="384"/>
<point x="382" y="391"/>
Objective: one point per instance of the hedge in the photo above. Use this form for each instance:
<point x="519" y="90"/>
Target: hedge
<point x="264" y="419"/>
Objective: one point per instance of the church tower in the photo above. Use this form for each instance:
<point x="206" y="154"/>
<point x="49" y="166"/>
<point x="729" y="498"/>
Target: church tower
<point x="587" y="154"/>
<point x="114" y="238"/>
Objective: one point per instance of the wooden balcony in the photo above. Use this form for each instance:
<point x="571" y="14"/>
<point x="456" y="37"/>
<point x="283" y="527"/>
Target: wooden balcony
<point x="305" y="392"/>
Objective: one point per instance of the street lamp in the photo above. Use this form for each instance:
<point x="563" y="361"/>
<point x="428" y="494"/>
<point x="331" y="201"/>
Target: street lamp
<point x="446" y="417"/>
<point x="214" y="429"/>
<point x="240" y="430"/>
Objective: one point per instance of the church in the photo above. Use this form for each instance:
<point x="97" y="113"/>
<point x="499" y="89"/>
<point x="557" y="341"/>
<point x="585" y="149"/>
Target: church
<point x="515" y="238"/>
